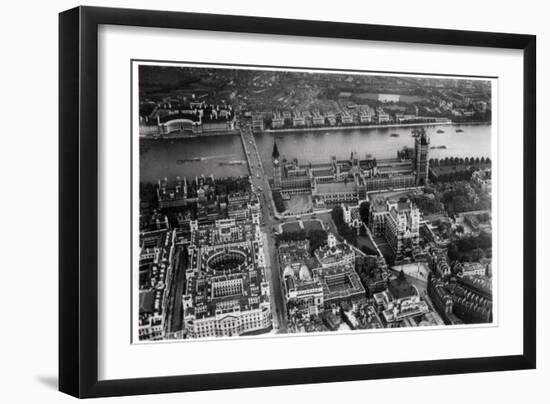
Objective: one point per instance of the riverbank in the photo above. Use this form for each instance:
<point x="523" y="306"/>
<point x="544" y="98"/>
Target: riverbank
<point x="471" y="123"/>
<point x="180" y="135"/>
<point x="384" y="126"/>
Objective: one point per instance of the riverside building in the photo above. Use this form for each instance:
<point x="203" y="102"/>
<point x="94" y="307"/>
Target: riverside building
<point x="348" y="180"/>
<point x="196" y="118"/>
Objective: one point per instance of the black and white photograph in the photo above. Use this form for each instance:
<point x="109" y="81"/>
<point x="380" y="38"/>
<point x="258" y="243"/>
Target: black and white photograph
<point x="281" y="201"/>
<point x="277" y="202"/>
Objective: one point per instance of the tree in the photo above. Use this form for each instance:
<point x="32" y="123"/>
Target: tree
<point x="338" y="215"/>
<point x="460" y="204"/>
<point x="453" y="252"/>
<point x="477" y="254"/>
<point x="364" y="211"/>
<point x="483" y="217"/>
<point x="279" y="202"/>
<point x="317" y="238"/>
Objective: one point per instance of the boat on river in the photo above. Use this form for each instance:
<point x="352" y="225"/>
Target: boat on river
<point x="232" y="163"/>
<point x="190" y="160"/>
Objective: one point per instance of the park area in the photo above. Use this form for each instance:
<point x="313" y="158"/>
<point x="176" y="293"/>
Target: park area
<point x="291" y="227"/>
<point x="313" y="225"/>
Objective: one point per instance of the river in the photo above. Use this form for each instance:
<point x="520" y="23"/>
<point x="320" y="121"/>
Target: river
<point x="159" y="158"/>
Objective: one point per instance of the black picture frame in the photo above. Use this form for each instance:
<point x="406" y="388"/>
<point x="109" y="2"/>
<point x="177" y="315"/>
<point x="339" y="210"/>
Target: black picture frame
<point x="78" y="200"/>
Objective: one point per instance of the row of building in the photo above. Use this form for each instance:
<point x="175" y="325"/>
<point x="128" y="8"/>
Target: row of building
<point x="156" y="273"/>
<point x="462" y="299"/>
<point x="196" y="117"/>
<point x="209" y="203"/>
<point x="362" y="115"/>
<point x="315" y="286"/>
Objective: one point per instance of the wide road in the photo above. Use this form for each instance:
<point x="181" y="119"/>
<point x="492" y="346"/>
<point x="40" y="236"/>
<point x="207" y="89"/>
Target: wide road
<point x="261" y="186"/>
<point x="176" y="307"/>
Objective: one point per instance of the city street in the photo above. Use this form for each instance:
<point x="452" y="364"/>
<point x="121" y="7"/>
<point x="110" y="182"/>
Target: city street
<point x="261" y="186"/>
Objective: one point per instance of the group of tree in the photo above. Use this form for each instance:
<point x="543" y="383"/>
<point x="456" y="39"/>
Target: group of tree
<point x="317" y="238"/>
<point x="471" y="248"/>
<point x="427" y="203"/>
<point x="298" y="235"/>
<point x="444" y="229"/>
<point x="338" y="216"/>
<point x="364" y="209"/>
<point x="462" y="197"/>
<point x="279" y="202"/>
<point x="459" y="161"/>
<point x="452" y="176"/>
<point x="483" y="217"/>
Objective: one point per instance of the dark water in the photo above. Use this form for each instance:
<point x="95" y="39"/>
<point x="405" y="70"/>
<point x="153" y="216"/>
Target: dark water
<point x="158" y="159"/>
<point x="475" y="141"/>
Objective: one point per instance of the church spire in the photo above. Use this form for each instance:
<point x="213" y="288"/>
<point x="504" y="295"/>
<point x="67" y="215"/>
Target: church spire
<point x="275" y="153"/>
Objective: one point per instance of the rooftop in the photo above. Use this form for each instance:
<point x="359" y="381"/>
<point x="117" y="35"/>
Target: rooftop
<point x="336" y="187"/>
<point x="340" y="282"/>
<point x="146" y="301"/>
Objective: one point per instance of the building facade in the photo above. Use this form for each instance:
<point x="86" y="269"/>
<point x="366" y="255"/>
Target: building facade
<point x="227" y="292"/>
<point x="398" y="221"/>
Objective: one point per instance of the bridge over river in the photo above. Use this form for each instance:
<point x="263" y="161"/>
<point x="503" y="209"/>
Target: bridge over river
<point x="260" y="183"/>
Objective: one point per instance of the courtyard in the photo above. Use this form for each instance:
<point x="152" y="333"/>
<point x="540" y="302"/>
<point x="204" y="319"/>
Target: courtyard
<point x="298" y="204"/>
